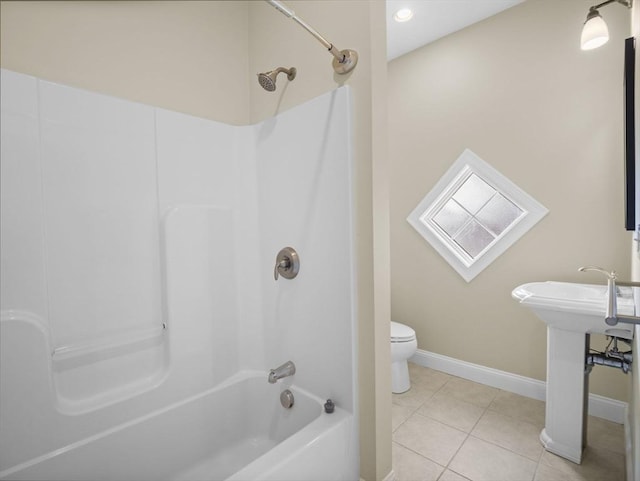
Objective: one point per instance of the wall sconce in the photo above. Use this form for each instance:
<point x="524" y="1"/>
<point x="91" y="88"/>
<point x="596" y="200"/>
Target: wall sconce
<point x="595" y="32"/>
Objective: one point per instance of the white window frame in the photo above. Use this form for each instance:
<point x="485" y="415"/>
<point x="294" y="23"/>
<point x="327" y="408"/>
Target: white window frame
<point x="421" y="218"/>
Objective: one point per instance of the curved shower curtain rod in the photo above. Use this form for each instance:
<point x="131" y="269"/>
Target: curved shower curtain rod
<point x="345" y="60"/>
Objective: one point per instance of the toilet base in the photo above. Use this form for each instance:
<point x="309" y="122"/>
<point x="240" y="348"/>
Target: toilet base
<point x="400" y="381"/>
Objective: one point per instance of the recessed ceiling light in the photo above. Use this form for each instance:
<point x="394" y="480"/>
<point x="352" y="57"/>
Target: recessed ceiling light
<point x="403" y="15"/>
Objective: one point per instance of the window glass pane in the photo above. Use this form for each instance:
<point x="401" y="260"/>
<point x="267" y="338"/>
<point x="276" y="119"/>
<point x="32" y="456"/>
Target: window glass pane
<point x="474" y="193"/>
<point x="474" y="238"/>
<point x="498" y="214"/>
<point x="451" y="217"/>
<point x="473" y="214"/>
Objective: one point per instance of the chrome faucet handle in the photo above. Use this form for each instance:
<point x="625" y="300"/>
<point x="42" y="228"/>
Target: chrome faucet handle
<point x="610" y="275"/>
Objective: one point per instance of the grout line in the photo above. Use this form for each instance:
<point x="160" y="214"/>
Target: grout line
<point x="457" y="451"/>
<point x="465" y="441"/>
<point x="535" y="473"/>
<point x="444" y="468"/>
<point x="486" y="409"/>
<point x="489" y="408"/>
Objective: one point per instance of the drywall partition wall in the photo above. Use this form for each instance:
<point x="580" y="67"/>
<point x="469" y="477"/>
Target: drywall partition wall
<point x="303" y="164"/>
<point x="522" y="105"/>
<point x="64" y="381"/>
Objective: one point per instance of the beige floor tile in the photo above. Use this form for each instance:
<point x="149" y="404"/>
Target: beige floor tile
<point x="429" y="438"/>
<point x="400" y="414"/>
<point x="482" y="461"/>
<point x="410" y="466"/>
<point x="605" y="434"/>
<point x="519" y="407"/>
<point x="470" y="391"/>
<point x="597" y="465"/>
<point x="414" y="397"/>
<point x="547" y="473"/>
<point x="449" y="475"/>
<point x="452" y="412"/>
<point x="431" y="420"/>
<point x="429" y="378"/>
<point x="515" y="435"/>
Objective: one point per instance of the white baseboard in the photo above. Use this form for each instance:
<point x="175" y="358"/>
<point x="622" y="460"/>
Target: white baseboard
<point x="599" y="406"/>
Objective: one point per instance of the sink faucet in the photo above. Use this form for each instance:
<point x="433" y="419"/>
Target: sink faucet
<point x="611" y="316"/>
<point x="287" y="369"/>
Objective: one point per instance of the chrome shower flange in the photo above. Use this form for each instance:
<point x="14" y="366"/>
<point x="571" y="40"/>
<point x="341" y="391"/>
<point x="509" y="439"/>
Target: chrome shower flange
<point x="348" y="64"/>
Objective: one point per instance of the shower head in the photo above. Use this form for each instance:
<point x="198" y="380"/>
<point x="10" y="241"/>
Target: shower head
<point x="268" y="80"/>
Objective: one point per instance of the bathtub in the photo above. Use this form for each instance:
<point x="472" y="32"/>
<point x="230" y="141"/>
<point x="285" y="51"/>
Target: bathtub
<point x="236" y="431"/>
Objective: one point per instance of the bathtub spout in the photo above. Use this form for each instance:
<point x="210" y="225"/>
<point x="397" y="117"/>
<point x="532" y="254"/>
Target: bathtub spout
<point x="287" y="369"/>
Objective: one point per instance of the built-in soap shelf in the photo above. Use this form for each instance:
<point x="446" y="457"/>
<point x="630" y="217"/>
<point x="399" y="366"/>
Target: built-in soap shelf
<point x="94" y="374"/>
<point x="80" y="377"/>
<point x="95" y="350"/>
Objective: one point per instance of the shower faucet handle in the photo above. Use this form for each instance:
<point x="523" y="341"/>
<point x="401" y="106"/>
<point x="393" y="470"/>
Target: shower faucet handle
<point x="284" y="264"/>
<point x="287" y="264"/>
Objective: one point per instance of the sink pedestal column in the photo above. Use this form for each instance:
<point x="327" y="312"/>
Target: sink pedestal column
<point x="565" y="429"/>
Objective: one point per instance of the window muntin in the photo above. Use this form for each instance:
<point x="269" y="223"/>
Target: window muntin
<point x="474" y="214"/>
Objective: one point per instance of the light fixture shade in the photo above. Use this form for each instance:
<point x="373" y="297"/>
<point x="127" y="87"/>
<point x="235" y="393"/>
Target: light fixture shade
<point x="594" y="32"/>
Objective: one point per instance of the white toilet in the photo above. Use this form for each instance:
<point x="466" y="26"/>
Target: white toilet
<point x="403" y="346"/>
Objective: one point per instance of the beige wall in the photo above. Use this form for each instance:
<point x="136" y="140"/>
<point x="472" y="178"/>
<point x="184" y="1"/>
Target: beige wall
<point x="186" y="56"/>
<point x="201" y="58"/>
<point x="518" y="91"/>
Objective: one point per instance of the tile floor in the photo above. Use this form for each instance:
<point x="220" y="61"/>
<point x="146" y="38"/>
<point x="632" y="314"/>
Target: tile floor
<point x="449" y="429"/>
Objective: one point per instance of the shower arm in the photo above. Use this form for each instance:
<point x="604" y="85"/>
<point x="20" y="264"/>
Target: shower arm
<point x="292" y="15"/>
<point x="328" y="45"/>
<point x="345" y="60"/>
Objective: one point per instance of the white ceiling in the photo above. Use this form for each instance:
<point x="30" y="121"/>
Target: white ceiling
<point x="433" y="19"/>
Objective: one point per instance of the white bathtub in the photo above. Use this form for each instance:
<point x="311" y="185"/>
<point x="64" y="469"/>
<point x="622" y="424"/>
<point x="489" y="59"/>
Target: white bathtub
<point x="237" y="431"/>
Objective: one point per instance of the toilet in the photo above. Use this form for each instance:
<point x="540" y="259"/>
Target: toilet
<point x="403" y="346"/>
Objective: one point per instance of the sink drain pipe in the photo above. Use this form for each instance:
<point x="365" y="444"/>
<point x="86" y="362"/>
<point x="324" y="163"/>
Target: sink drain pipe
<point x="605" y="360"/>
<point x="610" y="357"/>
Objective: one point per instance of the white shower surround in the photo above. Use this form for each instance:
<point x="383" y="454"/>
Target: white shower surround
<point x="91" y="271"/>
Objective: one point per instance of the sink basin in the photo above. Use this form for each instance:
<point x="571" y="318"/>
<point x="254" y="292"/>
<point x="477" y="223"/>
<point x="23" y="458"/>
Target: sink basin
<point x="575" y="307"/>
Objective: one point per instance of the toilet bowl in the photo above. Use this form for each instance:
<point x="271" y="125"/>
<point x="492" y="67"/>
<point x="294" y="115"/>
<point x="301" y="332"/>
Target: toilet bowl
<point x="403" y="346"/>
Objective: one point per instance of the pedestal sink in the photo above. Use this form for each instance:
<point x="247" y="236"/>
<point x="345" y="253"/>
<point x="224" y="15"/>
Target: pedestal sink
<point x="572" y="312"/>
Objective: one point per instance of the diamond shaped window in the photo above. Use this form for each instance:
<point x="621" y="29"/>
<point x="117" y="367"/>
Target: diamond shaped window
<point x="473" y="214"/>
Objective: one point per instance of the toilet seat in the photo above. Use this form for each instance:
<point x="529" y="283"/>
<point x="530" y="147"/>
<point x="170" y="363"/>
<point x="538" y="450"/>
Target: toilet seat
<point x="403" y="346"/>
<point x="402" y="333"/>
